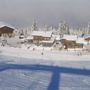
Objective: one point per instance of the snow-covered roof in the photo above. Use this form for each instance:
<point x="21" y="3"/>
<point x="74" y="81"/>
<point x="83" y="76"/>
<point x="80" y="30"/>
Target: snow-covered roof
<point x="42" y="33"/>
<point x="29" y="37"/>
<point x="81" y="40"/>
<point x="57" y="37"/>
<point x="70" y="37"/>
<point x="51" y="41"/>
<point x="86" y="36"/>
<point x="2" y="24"/>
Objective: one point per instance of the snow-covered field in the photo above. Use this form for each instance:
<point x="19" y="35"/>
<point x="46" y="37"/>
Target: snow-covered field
<point x="41" y="75"/>
<point x="22" y="69"/>
<point x="45" y="54"/>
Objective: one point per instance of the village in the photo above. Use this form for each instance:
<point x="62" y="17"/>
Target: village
<point x="35" y="58"/>
<point x="43" y="39"/>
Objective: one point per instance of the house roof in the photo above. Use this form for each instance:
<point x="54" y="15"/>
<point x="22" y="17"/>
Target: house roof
<point x="29" y="38"/>
<point x="3" y="24"/>
<point x="87" y="37"/>
<point x="42" y="33"/>
<point x="81" y="40"/>
<point x="70" y="37"/>
<point x="57" y="37"/>
<point x="6" y="29"/>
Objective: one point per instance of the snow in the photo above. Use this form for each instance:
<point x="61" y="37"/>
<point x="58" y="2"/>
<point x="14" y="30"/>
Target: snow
<point x="57" y="37"/>
<point x="31" y="67"/>
<point x="42" y="33"/>
<point x="44" y="75"/>
<point x="48" y="53"/>
<point x="51" y="41"/>
<point x="29" y="38"/>
<point x="70" y="37"/>
<point x="13" y="40"/>
<point x="75" y="38"/>
<point x="27" y="69"/>
<point x="81" y="40"/>
<point x="86" y="36"/>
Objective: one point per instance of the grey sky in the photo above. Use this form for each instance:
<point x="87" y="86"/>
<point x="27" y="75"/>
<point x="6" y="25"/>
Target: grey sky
<point x="50" y="12"/>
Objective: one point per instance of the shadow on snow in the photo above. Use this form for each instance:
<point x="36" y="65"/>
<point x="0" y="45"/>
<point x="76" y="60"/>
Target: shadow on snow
<point x="55" y="79"/>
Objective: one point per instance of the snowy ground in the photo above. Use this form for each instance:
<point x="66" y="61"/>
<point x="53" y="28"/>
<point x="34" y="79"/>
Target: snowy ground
<point x="22" y="69"/>
<point x="45" y="54"/>
<point x="43" y="75"/>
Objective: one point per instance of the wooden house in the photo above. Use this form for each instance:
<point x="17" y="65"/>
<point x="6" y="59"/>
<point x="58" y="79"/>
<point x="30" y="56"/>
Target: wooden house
<point x="6" y="31"/>
<point x="42" y="35"/>
<point x="42" y="38"/>
<point x="70" y="42"/>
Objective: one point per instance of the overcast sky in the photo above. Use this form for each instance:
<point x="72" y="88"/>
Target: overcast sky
<point x="50" y="12"/>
